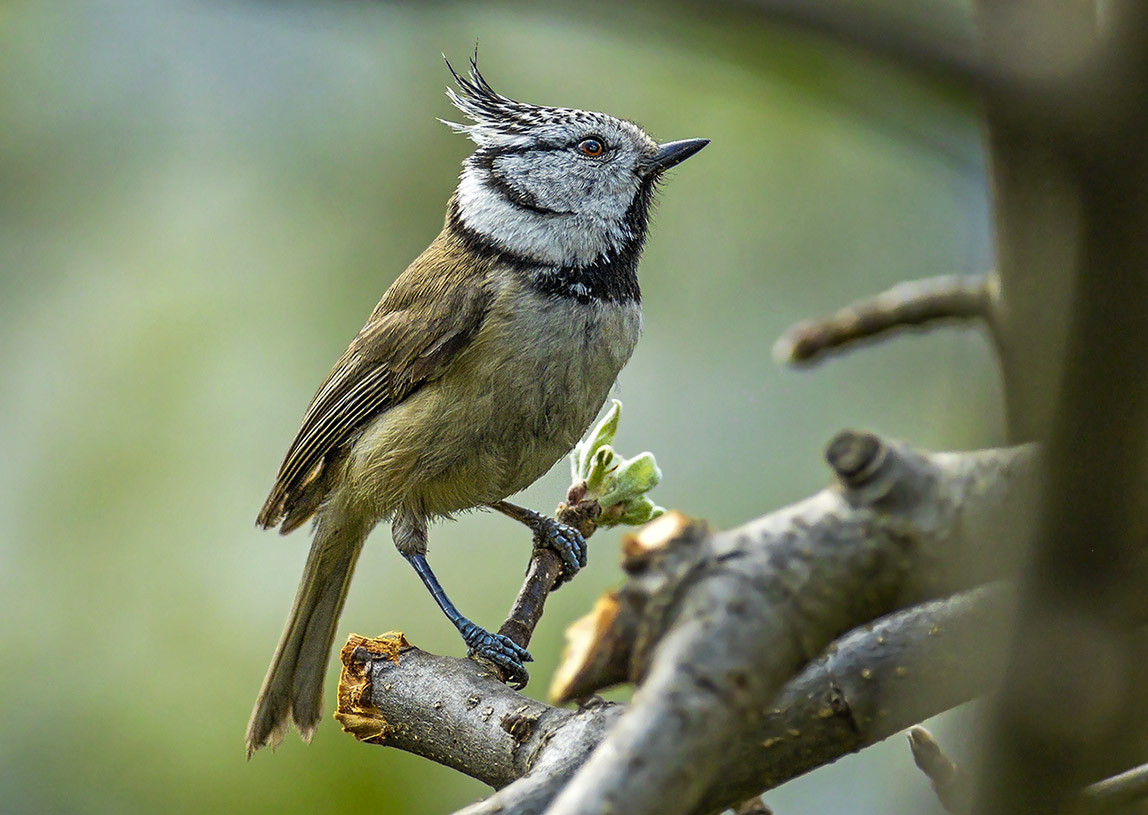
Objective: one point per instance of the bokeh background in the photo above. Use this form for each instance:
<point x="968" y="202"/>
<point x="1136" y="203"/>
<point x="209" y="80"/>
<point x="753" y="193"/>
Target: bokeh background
<point x="200" y="202"/>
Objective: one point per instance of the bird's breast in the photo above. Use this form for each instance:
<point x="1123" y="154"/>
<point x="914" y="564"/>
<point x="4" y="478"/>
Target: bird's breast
<point x="549" y="363"/>
<point x="513" y="403"/>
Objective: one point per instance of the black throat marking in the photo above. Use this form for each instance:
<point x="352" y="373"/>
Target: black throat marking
<point x="612" y="277"/>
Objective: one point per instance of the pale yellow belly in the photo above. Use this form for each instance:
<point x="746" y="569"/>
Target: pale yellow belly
<point x="512" y="405"/>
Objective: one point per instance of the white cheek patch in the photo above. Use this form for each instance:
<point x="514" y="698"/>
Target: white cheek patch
<point x="574" y="239"/>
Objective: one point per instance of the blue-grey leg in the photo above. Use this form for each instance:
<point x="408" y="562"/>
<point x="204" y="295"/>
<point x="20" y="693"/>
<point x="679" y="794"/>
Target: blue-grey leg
<point x="563" y="539"/>
<point x="496" y="648"/>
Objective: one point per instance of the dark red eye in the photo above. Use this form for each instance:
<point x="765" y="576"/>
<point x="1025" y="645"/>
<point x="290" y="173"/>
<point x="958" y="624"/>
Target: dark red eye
<point x="592" y="147"/>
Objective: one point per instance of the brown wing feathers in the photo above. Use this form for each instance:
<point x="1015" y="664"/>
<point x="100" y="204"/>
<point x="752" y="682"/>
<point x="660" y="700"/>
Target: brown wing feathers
<point x="393" y="356"/>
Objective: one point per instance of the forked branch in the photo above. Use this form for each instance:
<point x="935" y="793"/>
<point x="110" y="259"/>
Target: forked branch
<point x="713" y="626"/>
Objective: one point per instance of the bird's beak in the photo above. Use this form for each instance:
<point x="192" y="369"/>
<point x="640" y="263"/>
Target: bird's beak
<point x="673" y="153"/>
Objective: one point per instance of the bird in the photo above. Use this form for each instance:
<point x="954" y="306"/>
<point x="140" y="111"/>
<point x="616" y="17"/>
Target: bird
<point x="481" y="366"/>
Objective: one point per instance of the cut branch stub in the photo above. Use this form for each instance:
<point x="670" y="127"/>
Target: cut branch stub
<point x="855" y="457"/>
<point x="450" y="710"/>
<point x="355" y="712"/>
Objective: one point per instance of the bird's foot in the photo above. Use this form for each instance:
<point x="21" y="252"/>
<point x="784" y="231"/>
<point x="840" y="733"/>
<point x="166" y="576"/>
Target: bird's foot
<point x="497" y="649"/>
<point x="566" y="541"/>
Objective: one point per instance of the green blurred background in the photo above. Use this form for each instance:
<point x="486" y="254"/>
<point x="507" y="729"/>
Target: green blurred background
<point x="199" y="205"/>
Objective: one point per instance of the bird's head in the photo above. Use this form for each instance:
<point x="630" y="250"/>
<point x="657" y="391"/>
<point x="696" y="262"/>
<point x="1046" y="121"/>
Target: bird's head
<point x="556" y="185"/>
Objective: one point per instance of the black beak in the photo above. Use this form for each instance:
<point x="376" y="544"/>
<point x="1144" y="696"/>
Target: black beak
<point x="673" y="153"/>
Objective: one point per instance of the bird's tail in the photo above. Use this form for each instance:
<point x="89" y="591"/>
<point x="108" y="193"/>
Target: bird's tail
<point x="293" y="687"/>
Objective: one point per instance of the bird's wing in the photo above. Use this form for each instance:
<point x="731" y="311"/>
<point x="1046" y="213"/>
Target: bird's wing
<point x="416" y="331"/>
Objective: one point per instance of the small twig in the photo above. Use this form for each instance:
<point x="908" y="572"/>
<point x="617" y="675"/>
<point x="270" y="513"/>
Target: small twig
<point x="541" y="574"/>
<point x="950" y="784"/>
<point x="752" y="806"/>
<point x="599" y="474"/>
<point x="908" y="305"/>
<point x="953" y="786"/>
<point x="1120" y="790"/>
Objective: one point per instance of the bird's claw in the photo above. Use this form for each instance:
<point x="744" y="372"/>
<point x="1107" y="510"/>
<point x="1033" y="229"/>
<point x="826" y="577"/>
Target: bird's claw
<point x="568" y="543"/>
<point x="497" y="649"/>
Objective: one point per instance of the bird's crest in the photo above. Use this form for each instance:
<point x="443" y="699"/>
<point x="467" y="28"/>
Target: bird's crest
<point x="499" y="119"/>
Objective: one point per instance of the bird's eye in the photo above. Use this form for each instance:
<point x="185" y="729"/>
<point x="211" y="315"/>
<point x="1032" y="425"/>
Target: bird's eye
<point x="592" y="147"/>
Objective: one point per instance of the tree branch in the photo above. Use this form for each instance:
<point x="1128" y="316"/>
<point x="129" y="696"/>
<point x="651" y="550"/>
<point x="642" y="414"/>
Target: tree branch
<point x="726" y="619"/>
<point x="542" y="574"/>
<point x="456" y="712"/>
<point x="954" y="787"/>
<point x="869" y="685"/>
<point x="950" y="784"/>
<point x="1120" y="790"/>
<point x="721" y="621"/>
<point x="919" y="304"/>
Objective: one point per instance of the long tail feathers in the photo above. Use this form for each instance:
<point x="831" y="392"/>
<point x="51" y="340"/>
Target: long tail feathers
<point x="293" y="687"/>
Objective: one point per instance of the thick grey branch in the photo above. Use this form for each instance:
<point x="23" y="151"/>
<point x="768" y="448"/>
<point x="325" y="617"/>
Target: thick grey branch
<point x="728" y="619"/>
<point x="720" y="623"/>
<point x="869" y="685"/>
<point x="458" y="713"/>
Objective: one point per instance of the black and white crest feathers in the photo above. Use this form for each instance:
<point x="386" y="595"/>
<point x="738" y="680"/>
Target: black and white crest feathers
<point x="532" y="192"/>
<point x="498" y="118"/>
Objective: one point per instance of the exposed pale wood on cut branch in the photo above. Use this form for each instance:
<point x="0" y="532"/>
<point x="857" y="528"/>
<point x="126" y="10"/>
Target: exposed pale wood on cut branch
<point x="597" y="653"/>
<point x="602" y="646"/>
<point x="354" y="711"/>
<point x="916" y="305"/>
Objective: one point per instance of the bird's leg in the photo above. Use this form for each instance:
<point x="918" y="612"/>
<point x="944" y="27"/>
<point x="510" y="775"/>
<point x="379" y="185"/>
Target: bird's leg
<point x="497" y="648"/>
<point x="565" y="540"/>
<point x="409" y="529"/>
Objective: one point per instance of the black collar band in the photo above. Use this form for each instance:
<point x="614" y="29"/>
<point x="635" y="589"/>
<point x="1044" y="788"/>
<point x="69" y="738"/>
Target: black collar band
<point x="612" y="277"/>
